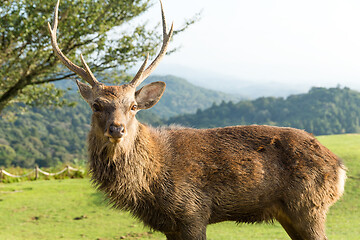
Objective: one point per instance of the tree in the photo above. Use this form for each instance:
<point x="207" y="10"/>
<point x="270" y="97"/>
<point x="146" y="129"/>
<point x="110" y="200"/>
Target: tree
<point x="28" y="66"/>
<point x="7" y="154"/>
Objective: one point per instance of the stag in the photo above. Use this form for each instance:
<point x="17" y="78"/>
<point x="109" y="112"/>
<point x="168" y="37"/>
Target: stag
<point x="178" y="180"/>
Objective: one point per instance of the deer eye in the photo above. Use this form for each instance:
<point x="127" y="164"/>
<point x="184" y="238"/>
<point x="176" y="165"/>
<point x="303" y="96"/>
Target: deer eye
<point x="134" y="107"/>
<point x="96" y="107"/>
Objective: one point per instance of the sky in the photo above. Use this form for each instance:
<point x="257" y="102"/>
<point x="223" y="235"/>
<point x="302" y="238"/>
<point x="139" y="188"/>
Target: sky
<point x="305" y="42"/>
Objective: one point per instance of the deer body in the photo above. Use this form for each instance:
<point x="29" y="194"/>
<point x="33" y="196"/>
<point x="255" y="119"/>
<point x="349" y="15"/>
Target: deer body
<point x="191" y="178"/>
<point x="178" y="180"/>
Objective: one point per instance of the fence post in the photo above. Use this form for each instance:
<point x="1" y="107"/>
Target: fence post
<point x="1" y="174"/>
<point x="68" y="170"/>
<point x="36" y="172"/>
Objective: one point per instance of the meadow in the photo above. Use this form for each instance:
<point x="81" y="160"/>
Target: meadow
<point x="73" y="209"/>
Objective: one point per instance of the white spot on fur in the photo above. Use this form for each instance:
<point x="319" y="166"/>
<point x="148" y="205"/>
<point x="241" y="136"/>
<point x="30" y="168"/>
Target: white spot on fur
<point x="341" y="180"/>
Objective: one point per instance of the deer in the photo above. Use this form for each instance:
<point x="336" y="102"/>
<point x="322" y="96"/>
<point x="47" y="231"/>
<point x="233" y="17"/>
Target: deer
<point x="178" y="180"/>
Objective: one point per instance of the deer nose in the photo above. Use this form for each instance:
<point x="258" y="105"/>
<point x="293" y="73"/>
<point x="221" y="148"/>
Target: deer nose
<point x="116" y="131"/>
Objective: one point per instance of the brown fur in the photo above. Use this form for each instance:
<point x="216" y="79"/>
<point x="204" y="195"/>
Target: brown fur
<point x="178" y="180"/>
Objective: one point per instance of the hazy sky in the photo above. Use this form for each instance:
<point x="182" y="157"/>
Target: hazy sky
<point x="317" y="42"/>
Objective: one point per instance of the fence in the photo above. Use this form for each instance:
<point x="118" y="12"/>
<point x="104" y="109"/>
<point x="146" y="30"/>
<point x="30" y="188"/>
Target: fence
<point x="37" y="171"/>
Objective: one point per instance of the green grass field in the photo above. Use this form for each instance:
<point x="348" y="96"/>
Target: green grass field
<point x="72" y="209"/>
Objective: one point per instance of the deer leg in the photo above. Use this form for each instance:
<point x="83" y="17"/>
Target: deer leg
<point x="173" y="236"/>
<point x="308" y="224"/>
<point x="190" y="231"/>
<point x="285" y="222"/>
<point x="187" y="235"/>
<point x="313" y="228"/>
<point x="193" y="233"/>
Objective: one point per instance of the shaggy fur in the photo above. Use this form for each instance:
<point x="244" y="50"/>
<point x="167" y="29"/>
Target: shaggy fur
<point x="179" y="180"/>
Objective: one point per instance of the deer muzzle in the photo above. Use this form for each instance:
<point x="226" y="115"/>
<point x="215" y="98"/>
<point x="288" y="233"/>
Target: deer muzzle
<point x="115" y="132"/>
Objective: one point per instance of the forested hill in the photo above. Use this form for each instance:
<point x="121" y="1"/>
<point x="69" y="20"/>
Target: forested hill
<point x="320" y="111"/>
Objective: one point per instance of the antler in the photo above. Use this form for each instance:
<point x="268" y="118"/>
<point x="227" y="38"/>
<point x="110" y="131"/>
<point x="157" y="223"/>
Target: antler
<point x="142" y="74"/>
<point x="86" y="73"/>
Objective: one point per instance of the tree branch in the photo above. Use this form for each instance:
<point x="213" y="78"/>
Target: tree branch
<point x="53" y="79"/>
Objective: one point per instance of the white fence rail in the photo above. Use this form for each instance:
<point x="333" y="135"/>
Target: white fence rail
<point x="37" y="170"/>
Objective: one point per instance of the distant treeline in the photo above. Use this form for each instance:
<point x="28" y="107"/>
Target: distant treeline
<point x="49" y="137"/>
<point x="321" y="111"/>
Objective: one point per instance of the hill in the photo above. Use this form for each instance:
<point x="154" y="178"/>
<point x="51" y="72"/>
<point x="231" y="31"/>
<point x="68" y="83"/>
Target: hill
<point x="320" y="111"/>
<point x="250" y="89"/>
<point x="81" y="213"/>
<point x="181" y="97"/>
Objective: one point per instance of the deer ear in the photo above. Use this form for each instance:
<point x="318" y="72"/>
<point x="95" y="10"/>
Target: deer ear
<point x="85" y="90"/>
<point x="147" y="96"/>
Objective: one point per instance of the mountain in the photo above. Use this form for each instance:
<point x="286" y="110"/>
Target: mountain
<point x="321" y="111"/>
<point x="250" y="89"/>
<point x="180" y="97"/>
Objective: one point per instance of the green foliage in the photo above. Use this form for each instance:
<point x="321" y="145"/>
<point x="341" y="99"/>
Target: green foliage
<point x="7" y="155"/>
<point x="42" y="214"/>
<point x="321" y="111"/>
<point x="47" y="137"/>
<point x="27" y="61"/>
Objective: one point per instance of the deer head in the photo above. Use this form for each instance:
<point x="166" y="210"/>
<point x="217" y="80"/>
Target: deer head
<point x="114" y="107"/>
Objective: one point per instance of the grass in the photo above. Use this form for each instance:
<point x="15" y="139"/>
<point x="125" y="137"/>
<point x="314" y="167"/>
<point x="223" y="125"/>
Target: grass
<point x="72" y="209"/>
<point x="60" y="209"/>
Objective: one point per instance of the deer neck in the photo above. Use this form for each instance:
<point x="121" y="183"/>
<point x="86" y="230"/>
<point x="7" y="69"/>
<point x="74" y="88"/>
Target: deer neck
<point x="127" y="170"/>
